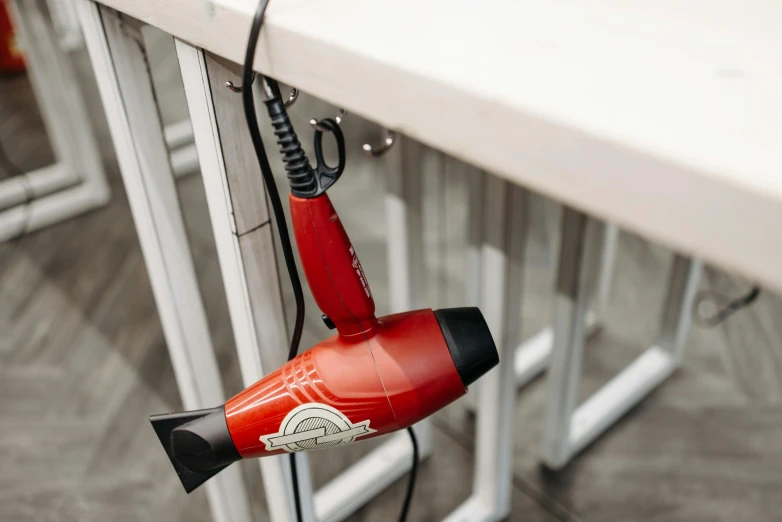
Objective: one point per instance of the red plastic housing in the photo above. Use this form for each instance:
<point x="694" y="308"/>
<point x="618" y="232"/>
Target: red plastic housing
<point x="374" y="377"/>
<point x="332" y="268"/>
<point x="383" y="383"/>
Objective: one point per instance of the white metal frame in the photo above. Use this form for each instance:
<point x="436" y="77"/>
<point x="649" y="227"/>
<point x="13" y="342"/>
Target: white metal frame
<point x="179" y="135"/>
<point x="569" y="428"/>
<point x="502" y="253"/>
<point x="76" y="183"/>
<point x="533" y="356"/>
<point x="118" y="59"/>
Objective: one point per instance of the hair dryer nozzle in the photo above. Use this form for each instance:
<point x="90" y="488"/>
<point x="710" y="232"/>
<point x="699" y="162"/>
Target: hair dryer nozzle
<point x="198" y="443"/>
<point x="469" y="341"/>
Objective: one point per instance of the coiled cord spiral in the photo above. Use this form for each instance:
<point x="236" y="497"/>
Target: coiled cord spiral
<point x="301" y="176"/>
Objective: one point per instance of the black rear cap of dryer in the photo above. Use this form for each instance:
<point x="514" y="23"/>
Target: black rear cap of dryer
<point x="469" y="341"/>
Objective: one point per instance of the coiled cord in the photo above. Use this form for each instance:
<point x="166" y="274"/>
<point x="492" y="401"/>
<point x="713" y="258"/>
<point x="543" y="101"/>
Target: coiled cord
<point x="301" y="177"/>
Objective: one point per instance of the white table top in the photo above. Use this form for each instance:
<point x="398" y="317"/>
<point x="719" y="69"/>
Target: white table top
<point x="665" y="117"/>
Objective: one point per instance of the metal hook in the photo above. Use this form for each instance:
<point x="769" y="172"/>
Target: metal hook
<point x="233" y="88"/>
<point x="388" y="142"/>
<point x="294" y="95"/>
<point x="712" y="308"/>
<point x="317" y="126"/>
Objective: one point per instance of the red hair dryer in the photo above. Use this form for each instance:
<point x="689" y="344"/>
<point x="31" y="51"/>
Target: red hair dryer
<point x="377" y="375"/>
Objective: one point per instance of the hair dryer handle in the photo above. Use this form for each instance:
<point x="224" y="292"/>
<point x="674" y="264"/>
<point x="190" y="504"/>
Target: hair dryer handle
<point x="332" y="268"/>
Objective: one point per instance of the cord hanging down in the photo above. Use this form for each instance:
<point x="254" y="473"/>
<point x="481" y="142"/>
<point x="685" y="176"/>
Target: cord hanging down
<point x="279" y="216"/>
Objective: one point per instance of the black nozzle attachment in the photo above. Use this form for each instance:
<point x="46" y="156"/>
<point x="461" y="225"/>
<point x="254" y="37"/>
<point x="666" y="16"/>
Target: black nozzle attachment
<point x="198" y="443"/>
<point x="469" y="341"/>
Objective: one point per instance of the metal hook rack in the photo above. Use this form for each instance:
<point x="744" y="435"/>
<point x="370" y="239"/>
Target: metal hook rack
<point x="338" y="118"/>
<point x="234" y="88"/>
<point x="292" y="97"/>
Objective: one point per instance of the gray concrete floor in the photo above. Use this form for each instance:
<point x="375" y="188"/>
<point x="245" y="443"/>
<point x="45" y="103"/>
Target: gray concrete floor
<point x="83" y="363"/>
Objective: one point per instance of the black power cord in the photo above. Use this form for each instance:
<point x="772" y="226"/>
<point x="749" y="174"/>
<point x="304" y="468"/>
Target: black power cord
<point x="268" y="177"/>
<point x="279" y="216"/>
<point x="273" y="91"/>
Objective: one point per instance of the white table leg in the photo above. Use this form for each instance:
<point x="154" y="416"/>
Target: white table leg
<point x="533" y="356"/>
<point x="118" y="59"/>
<point x="502" y="254"/>
<point x="475" y="190"/>
<point x="476" y="181"/>
<point x="403" y="201"/>
<point x="179" y="134"/>
<point x="569" y="428"/>
<point x="179" y="138"/>
<point x="605" y="275"/>
<point x="76" y="183"/>
<point x="568" y="343"/>
<point x="676" y="321"/>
